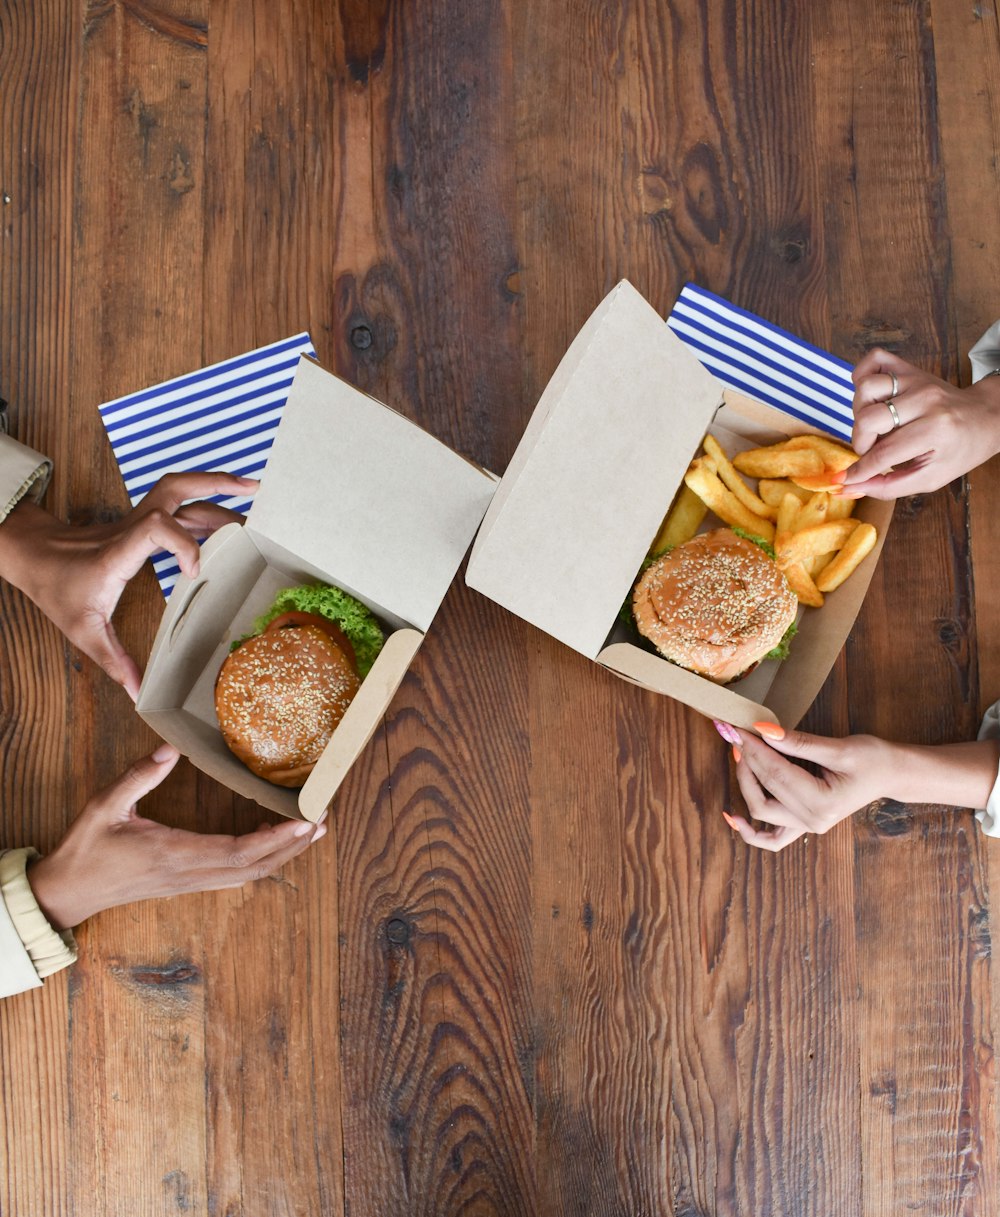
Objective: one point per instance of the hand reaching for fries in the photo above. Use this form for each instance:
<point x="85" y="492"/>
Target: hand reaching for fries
<point x="789" y="800"/>
<point x="942" y="432"/>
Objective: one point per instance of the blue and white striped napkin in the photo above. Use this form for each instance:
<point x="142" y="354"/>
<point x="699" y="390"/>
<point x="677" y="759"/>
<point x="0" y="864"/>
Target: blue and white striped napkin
<point x="766" y="363"/>
<point x="221" y="418"/>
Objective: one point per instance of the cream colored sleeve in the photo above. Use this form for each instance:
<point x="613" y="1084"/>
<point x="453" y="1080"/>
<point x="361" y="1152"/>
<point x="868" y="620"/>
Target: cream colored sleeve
<point x="22" y="472"/>
<point x="985" y="355"/>
<point x="989" y="816"/>
<point x="30" y="949"/>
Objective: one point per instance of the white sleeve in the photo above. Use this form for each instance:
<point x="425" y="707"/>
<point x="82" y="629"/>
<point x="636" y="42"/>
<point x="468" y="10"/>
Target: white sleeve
<point x="985" y="355"/>
<point x="989" y="816"/>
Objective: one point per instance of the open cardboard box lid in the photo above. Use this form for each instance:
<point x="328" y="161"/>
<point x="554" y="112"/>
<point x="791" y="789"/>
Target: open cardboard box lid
<point x="356" y="495"/>
<point x="585" y="493"/>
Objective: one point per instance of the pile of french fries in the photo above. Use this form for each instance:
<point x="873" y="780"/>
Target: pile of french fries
<point x="817" y="541"/>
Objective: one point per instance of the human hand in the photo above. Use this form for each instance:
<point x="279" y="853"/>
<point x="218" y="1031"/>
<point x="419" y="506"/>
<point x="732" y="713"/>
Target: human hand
<point x="112" y="856"/>
<point x="76" y="574"/>
<point x="943" y="431"/>
<point x="790" y="798"/>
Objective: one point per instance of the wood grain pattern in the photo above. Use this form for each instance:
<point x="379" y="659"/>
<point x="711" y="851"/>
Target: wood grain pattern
<point x="529" y="970"/>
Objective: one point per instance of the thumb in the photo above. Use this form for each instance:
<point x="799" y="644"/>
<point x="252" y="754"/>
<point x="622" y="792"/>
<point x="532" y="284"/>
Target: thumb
<point x="816" y="748"/>
<point x="119" y="799"/>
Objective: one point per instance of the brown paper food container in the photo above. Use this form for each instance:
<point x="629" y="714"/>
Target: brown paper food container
<point x="583" y="498"/>
<point x="354" y="495"/>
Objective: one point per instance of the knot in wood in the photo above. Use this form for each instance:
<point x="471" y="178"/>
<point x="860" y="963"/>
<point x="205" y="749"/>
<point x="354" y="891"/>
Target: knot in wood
<point x="361" y="337"/>
<point x="398" y="931"/>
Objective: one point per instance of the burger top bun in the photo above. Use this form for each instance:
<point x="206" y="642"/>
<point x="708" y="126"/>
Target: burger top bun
<point x="280" y="695"/>
<point x="715" y="605"/>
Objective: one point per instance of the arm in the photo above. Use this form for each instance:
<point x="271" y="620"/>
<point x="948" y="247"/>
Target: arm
<point x="111" y="856"/>
<point x="853" y="772"/>
<point x="76" y="574"/>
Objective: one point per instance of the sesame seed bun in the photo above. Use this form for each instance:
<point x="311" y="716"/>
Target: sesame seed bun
<point x="715" y="605"/>
<point x="280" y="695"/>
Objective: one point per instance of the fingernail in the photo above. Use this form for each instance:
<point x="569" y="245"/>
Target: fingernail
<point x="165" y="752"/>
<point x="248" y="481"/>
<point x="320" y="832"/>
<point x="770" y="730"/>
<point x="303" y="829"/>
<point x="838" y="476"/>
<point x="730" y="821"/>
<point x="737" y="754"/>
<point x="846" y="492"/>
<point x="728" y="733"/>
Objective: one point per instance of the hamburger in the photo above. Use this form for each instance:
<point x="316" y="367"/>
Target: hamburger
<point x="716" y="605"/>
<point x="283" y="689"/>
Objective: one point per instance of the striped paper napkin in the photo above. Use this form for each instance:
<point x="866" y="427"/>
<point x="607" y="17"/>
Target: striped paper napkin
<point x="223" y="417"/>
<point x="754" y="357"/>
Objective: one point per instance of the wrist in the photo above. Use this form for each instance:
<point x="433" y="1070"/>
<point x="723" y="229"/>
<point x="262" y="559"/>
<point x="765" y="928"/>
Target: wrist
<point x="947" y="775"/>
<point x="53" y="895"/>
<point x="987" y="390"/>
<point x="20" y="533"/>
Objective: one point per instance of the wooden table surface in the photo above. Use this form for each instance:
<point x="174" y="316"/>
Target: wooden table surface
<point x="530" y="970"/>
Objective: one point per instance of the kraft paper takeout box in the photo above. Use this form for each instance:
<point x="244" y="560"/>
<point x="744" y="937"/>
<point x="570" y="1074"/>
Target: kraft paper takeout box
<point x="355" y="495"/>
<point x="585" y="493"/>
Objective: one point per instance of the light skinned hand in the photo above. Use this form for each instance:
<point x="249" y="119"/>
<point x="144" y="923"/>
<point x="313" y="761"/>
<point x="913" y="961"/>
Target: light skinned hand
<point x="794" y="801"/>
<point x="76" y="574"/>
<point x="944" y="431"/>
<point x="111" y="855"/>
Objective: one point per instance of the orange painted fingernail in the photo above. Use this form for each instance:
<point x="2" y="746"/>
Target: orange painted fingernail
<point x="838" y="476"/>
<point x="770" y="730"/>
<point x="737" y="754"/>
<point x="730" y="821"/>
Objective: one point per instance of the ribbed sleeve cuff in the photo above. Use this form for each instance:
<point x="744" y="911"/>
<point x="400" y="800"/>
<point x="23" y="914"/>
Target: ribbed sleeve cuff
<point x="49" y="949"/>
<point x="989" y="816"/>
<point x="22" y="472"/>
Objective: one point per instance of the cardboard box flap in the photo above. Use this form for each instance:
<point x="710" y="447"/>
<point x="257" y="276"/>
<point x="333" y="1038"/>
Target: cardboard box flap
<point x="363" y="716"/>
<point x="354" y="488"/>
<point x="594" y="473"/>
<point x="654" y="674"/>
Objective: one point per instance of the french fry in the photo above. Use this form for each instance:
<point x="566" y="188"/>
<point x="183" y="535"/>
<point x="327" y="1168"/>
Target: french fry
<point x="773" y="490"/>
<point x="840" y="509"/>
<point x="820" y="539"/>
<point x="707" y="485"/>
<point x="802" y="585"/>
<point x="814" y="511"/>
<point x="735" y="483"/>
<point x="788" y="516"/>
<point x="682" y="521"/>
<point x="834" y="455"/>
<point x="778" y="461"/>
<point x="816" y="563"/>
<point x="858" y="546"/>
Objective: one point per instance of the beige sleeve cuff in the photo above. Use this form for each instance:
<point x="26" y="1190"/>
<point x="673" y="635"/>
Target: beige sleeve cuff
<point x="989" y="816"/>
<point x="22" y="472"/>
<point x="49" y="949"/>
<point x="985" y="355"/>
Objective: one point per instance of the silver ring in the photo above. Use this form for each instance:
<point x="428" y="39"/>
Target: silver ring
<point x="895" y="387"/>
<point x="896" y="421"/>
